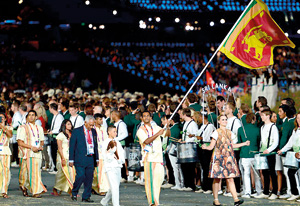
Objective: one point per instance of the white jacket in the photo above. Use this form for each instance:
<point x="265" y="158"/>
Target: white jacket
<point x="109" y="159"/>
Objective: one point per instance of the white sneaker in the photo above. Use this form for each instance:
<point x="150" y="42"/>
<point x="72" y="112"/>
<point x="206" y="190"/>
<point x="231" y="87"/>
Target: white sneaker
<point x="188" y="189"/>
<point x="14" y="164"/>
<point x="262" y="196"/>
<point x="273" y="197"/>
<point x="129" y="179"/>
<point x="246" y="195"/>
<point x="207" y="192"/>
<point x="182" y="189"/>
<point x="123" y="180"/>
<point x="167" y="185"/>
<point x="176" y="187"/>
<point x="220" y="192"/>
<point x="227" y="194"/>
<point x="293" y="197"/>
<point x="254" y="194"/>
<point x="199" y="190"/>
<point x="138" y="181"/>
<point x="285" y="196"/>
<point x="101" y="202"/>
<point x="298" y="200"/>
<point x="53" y="172"/>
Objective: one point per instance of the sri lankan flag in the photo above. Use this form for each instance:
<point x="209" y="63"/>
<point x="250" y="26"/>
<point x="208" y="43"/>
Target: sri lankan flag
<point x="253" y="38"/>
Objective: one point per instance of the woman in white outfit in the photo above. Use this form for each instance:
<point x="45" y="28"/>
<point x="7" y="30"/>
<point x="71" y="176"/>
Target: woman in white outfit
<point x="113" y="158"/>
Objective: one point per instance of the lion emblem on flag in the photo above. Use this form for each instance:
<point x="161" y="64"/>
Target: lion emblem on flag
<point x="256" y="38"/>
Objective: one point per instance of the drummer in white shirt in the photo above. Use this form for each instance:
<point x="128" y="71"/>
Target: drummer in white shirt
<point x="190" y="129"/>
<point x="203" y="135"/>
<point x="268" y="144"/>
<point x="122" y="134"/>
<point x="76" y="119"/>
<point x="53" y="132"/>
<point x="293" y="143"/>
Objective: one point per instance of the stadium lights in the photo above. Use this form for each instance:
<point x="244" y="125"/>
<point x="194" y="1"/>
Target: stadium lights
<point x="101" y="27"/>
<point x="212" y="23"/>
<point x="142" y="24"/>
<point x="298" y="32"/>
<point x="87" y="2"/>
<point x="90" y="26"/>
<point x="20" y="1"/>
<point x="286" y="34"/>
<point x="115" y="12"/>
<point x="150" y="19"/>
<point x="157" y="19"/>
<point x="222" y="21"/>
<point x="177" y="20"/>
<point x="94" y="27"/>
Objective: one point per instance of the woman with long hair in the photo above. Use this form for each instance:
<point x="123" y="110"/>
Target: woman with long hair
<point x="222" y="139"/>
<point x="5" y="153"/>
<point x="65" y="176"/>
<point x="42" y="121"/>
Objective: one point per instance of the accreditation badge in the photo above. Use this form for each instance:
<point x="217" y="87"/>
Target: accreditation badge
<point x="91" y="149"/>
<point x="37" y="143"/>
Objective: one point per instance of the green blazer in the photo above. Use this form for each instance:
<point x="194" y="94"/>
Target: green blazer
<point x="253" y="135"/>
<point x="285" y="132"/>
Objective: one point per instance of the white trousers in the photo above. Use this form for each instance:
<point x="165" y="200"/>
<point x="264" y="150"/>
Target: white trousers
<point x="246" y="166"/>
<point x="177" y="171"/>
<point x="285" y="172"/>
<point x="114" y="178"/>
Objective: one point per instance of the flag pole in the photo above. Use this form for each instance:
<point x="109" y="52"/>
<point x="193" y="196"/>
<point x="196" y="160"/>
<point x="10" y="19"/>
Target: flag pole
<point x="211" y="59"/>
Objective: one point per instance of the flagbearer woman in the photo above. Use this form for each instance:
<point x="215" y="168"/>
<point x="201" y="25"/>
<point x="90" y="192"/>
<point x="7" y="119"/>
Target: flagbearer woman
<point x="65" y="176"/>
<point x="5" y="153"/>
<point x="224" y="165"/>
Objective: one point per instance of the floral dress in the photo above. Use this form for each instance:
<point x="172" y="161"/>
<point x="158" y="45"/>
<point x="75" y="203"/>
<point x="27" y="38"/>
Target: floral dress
<point x="223" y="163"/>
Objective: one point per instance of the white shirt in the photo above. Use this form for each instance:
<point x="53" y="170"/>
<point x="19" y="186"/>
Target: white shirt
<point x="16" y="120"/>
<point x="122" y="131"/>
<point x="38" y="122"/>
<point x="155" y="151"/>
<point x="108" y="158"/>
<point x="274" y="137"/>
<point x="190" y="127"/>
<point x="56" y="123"/>
<point x="104" y="124"/>
<point x="77" y="121"/>
<point x="24" y="118"/>
<point x="236" y="124"/>
<point x="206" y="131"/>
<point x="293" y="141"/>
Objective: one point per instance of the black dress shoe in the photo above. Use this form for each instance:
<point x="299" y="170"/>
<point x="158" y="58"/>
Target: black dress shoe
<point x="87" y="200"/>
<point x="74" y="198"/>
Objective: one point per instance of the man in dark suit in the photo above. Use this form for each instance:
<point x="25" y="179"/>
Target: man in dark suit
<point x="83" y="154"/>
